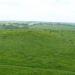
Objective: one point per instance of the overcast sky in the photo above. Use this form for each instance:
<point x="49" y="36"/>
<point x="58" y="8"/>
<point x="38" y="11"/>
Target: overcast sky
<point x="38" y="10"/>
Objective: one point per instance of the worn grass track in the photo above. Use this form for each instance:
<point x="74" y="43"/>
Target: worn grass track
<point x="13" y="70"/>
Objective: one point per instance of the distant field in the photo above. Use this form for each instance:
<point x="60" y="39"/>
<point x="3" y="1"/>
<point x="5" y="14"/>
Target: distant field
<point x="37" y="52"/>
<point x="53" y="27"/>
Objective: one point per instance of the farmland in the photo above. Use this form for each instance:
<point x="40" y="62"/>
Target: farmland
<point x="37" y="51"/>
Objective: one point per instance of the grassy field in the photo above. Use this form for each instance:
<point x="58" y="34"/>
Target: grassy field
<point x="37" y="52"/>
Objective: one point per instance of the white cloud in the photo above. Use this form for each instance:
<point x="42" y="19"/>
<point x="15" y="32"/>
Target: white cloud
<point x="44" y="10"/>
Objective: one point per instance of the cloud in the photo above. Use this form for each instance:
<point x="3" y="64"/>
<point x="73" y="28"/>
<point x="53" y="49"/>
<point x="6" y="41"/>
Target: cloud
<point x="44" y="10"/>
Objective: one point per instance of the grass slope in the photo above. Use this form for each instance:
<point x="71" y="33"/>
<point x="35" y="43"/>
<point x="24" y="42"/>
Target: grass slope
<point x="37" y="52"/>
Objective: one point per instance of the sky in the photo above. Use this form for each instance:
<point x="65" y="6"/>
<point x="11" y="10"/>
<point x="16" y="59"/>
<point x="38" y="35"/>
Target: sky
<point x="37" y="10"/>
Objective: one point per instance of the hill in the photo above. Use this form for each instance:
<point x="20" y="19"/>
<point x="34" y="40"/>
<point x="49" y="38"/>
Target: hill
<point x="37" y="52"/>
<point x="36" y="25"/>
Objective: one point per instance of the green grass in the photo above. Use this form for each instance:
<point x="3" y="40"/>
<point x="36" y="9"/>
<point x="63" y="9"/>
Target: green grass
<point x="37" y="52"/>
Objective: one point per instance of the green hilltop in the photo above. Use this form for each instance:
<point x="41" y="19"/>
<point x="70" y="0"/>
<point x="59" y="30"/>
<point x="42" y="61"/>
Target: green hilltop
<point x="37" y="50"/>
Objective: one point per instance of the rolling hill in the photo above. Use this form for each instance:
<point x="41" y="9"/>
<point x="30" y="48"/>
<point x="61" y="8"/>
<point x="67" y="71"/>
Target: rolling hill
<point x="37" y="52"/>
